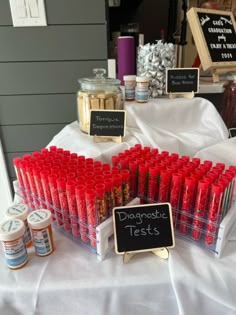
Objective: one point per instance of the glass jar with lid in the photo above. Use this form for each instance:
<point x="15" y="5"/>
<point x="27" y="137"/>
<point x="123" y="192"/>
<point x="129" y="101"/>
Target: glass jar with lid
<point x="98" y="93"/>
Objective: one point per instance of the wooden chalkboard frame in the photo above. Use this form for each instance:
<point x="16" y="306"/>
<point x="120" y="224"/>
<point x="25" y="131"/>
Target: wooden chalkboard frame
<point x="176" y="70"/>
<point x="101" y="135"/>
<point x="200" y="40"/>
<point x="152" y="249"/>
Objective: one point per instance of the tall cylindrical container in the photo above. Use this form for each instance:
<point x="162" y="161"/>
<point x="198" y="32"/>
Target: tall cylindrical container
<point x="126" y="56"/>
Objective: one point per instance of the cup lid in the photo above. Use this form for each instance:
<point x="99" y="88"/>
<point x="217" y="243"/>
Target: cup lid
<point x="39" y="219"/>
<point x="17" y="211"/>
<point x="99" y="81"/>
<point x="11" y="229"/>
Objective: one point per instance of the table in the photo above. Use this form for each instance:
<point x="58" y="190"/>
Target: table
<point x="73" y="281"/>
<point x="191" y="282"/>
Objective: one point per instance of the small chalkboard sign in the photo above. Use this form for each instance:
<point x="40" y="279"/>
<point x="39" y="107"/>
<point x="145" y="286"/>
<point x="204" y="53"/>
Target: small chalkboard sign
<point x="143" y="228"/>
<point x="214" y="33"/>
<point x="182" y="80"/>
<point x="232" y="132"/>
<point x="107" y="123"/>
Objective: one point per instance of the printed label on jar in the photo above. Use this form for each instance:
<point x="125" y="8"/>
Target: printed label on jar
<point x="129" y="93"/>
<point x="142" y="95"/>
<point x="15" y="253"/>
<point x="27" y="234"/>
<point x="42" y="242"/>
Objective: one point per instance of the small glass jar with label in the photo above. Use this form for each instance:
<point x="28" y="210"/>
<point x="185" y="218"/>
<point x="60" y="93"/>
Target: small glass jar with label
<point x="130" y="84"/>
<point x="142" y="89"/>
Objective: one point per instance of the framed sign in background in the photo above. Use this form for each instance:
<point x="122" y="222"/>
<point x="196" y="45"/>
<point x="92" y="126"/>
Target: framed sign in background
<point x="214" y="33"/>
<point x="143" y="228"/>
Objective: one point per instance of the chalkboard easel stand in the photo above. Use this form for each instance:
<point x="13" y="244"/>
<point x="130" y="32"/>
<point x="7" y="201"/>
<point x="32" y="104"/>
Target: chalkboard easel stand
<point x="185" y="95"/>
<point x="217" y="71"/>
<point x="160" y="252"/>
<point x="107" y="138"/>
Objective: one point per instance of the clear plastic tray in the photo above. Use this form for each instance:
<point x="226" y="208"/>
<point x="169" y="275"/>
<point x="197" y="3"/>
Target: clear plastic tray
<point x="100" y="239"/>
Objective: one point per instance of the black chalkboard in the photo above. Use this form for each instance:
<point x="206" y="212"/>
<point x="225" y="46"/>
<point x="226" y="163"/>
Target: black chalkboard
<point x="214" y="34"/>
<point x="107" y="123"/>
<point x="220" y="36"/>
<point x="232" y="132"/>
<point x="143" y="227"/>
<point x="182" y="80"/>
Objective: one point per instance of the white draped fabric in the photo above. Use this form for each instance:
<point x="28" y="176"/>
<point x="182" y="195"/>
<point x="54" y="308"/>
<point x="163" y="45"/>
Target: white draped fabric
<point x="191" y="282"/>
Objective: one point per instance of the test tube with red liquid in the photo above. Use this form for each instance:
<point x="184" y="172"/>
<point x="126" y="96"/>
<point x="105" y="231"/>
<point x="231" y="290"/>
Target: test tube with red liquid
<point x="164" y="187"/>
<point x="200" y="208"/>
<point x="175" y="194"/>
<point x="70" y="192"/>
<point x="52" y="181"/>
<point x="187" y="204"/>
<point x="109" y="195"/>
<point x="82" y="212"/>
<point x="61" y="186"/>
<point x="33" y="189"/>
<point x="142" y="180"/>
<point x="133" y="168"/>
<point x="213" y="214"/>
<point x="153" y="172"/>
<point x="125" y="186"/>
<point x="16" y="163"/>
<point x="101" y="209"/>
<point x="22" y="165"/>
<point x="117" y="189"/>
<point x="39" y="187"/>
<point x="90" y="197"/>
<point x="46" y="189"/>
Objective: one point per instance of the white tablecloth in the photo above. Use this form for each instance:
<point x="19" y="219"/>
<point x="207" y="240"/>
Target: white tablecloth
<point x="191" y="282"/>
<point x="180" y="125"/>
<point x="72" y="281"/>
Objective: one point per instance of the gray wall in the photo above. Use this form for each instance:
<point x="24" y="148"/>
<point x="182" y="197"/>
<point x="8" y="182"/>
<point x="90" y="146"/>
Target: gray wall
<point x="39" y="68"/>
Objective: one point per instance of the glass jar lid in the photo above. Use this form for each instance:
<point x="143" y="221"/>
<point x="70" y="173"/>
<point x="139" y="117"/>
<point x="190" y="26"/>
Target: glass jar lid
<point x="99" y="81"/>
